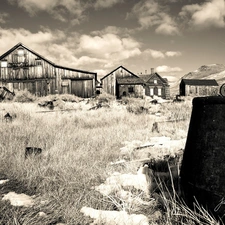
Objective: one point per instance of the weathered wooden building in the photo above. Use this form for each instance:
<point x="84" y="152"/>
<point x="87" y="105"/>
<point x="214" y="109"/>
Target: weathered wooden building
<point x="121" y="82"/>
<point x="22" y="68"/>
<point x="155" y="85"/>
<point x="194" y="87"/>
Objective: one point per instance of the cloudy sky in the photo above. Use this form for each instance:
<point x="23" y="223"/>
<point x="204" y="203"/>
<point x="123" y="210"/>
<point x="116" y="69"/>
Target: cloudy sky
<point x="172" y="36"/>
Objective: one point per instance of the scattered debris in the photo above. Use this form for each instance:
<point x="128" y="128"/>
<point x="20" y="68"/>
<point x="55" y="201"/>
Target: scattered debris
<point x="100" y="105"/>
<point x="29" y="151"/>
<point x="139" y="181"/>
<point x="156" y="148"/>
<point x="158" y="100"/>
<point x="48" y="104"/>
<point x="19" y="199"/>
<point x="5" y="93"/>
<point x="131" y="200"/>
<point x="155" y="127"/>
<point x="42" y="214"/>
<point x="8" y="117"/>
<point x="114" y="217"/>
<point x="4" y="181"/>
<point x="178" y="99"/>
<point x="118" y="162"/>
<point x="133" y="161"/>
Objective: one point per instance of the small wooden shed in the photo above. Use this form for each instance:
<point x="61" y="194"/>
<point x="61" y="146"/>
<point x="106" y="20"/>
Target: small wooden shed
<point x="22" y="68"/>
<point x="122" y="82"/>
<point x="195" y="87"/>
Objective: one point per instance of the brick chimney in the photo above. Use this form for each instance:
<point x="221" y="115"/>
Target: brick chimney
<point x="152" y="70"/>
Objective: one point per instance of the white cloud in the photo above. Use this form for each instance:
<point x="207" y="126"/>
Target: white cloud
<point x="59" y="9"/>
<point x="161" y="54"/>
<point x="101" y="73"/>
<point x="171" y="79"/>
<point x="152" y="14"/>
<point x="208" y="14"/>
<point x="99" y="4"/>
<point x="10" y="37"/>
<point x="99" y="45"/>
<point x="52" y="45"/>
<point x="156" y="54"/>
<point x="167" y="29"/>
<point x="172" y="53"/>
<point x="3" y="17"/>
<point x="82" y="51"/>
<point x="109" y="46"/>
<point x="167" y="69"/>
<point x="86" y="60"/>
<point x="146" y="13"/>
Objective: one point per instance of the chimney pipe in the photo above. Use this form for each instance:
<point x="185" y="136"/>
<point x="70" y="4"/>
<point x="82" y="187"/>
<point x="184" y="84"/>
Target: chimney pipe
<point x="152" y="70"/>
<point x="145" y="71"/>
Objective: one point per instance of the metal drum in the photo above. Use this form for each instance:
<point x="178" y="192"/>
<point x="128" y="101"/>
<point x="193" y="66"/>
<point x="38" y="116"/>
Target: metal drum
<point x="203" y="166"/>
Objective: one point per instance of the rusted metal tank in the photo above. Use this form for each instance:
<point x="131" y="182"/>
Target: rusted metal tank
<point x="203" y="166"/>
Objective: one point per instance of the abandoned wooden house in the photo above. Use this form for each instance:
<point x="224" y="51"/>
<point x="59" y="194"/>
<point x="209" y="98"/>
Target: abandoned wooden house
<point x="121" y="83"/>
<point x="155" y="85"/>
<point x="194" y="87"/>
<point x="22" y="68"/>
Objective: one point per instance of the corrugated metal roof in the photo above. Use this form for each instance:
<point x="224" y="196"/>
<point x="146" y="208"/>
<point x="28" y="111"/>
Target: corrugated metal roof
<point x="129" y="80"/>
<point x="196" y="82"/>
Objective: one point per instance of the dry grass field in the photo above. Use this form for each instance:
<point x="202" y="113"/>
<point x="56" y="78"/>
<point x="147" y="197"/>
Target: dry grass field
<point x="78" y="147"/>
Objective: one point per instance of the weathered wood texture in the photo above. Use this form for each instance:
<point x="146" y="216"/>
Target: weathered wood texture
<point x="158" y="86"/>
<point x="198" y="87"/>
<point x="22" y="68"/>
<point x="109" y="81"/>
<point x="131" y="90"/>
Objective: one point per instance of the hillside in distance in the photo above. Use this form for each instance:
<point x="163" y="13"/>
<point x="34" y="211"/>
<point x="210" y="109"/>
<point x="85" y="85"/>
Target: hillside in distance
<point x="211" y="71"/>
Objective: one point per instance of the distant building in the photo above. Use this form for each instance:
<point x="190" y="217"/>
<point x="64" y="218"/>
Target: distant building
<point x="21" y="68"/>
<point x="155" y="85"/>
<point x="121" y="82"/>
<point x="194" y="87"/>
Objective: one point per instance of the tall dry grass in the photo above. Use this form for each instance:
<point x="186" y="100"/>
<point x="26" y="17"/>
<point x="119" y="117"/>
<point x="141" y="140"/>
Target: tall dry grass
<point x="78" y="146"/>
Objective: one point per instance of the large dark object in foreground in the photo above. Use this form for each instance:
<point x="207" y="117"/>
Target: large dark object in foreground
<point x="203" y="167"/>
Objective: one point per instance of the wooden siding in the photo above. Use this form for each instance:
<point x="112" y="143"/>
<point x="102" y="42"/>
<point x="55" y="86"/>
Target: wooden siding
<point x="22" y="68"/>
<point x="26" y="67"/>
<point x="156" y="78"/>
<point x="190" y="90"/>
<point x="156" y="85"/>
<point x="82" y="88"/>
<point x="189" y="87"/>
<point x="130" y="91"/>
<point x="109" y="81"/>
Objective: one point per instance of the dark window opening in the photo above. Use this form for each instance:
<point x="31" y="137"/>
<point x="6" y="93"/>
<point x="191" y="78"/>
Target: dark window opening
<point x="38" y="62"/>
<point x="130" y="89"/>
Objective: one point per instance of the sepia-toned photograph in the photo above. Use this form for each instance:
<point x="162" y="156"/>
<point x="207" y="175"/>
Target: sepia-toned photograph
<point x="112" y="112"/>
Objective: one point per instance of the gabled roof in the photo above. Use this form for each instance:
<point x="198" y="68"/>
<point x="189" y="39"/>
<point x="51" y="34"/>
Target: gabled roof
<point x="148" y="77"/>
<point x="117" y="69"/>
<point x="41" y="57"/>
<point x="129" y="80"/>
<point x="196" y="82"/>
